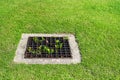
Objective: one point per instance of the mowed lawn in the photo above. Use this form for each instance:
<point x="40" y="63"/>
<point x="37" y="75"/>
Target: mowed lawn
<point x="95" y="23"/>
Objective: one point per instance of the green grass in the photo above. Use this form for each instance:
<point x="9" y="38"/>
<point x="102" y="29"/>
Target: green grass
<point x="96" y="24"/>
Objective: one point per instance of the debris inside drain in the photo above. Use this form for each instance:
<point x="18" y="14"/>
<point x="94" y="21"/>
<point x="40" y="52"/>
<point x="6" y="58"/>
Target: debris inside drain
<point x="47" y="47"/>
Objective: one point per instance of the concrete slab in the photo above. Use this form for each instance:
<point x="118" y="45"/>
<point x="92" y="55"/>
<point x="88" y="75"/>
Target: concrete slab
<point x="19" y="56"/>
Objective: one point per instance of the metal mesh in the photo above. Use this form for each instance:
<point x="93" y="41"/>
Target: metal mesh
<point x="63" y="52"/>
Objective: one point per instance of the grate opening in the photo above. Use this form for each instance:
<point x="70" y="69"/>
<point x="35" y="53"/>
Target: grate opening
<point x="34" y="43"/>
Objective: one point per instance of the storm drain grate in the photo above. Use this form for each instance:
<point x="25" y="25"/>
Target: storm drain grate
<point x="34" y="43"/>
<point x="47" y="49"/>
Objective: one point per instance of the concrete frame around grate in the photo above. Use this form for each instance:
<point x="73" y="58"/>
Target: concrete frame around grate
<point x="19" y="57"/>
